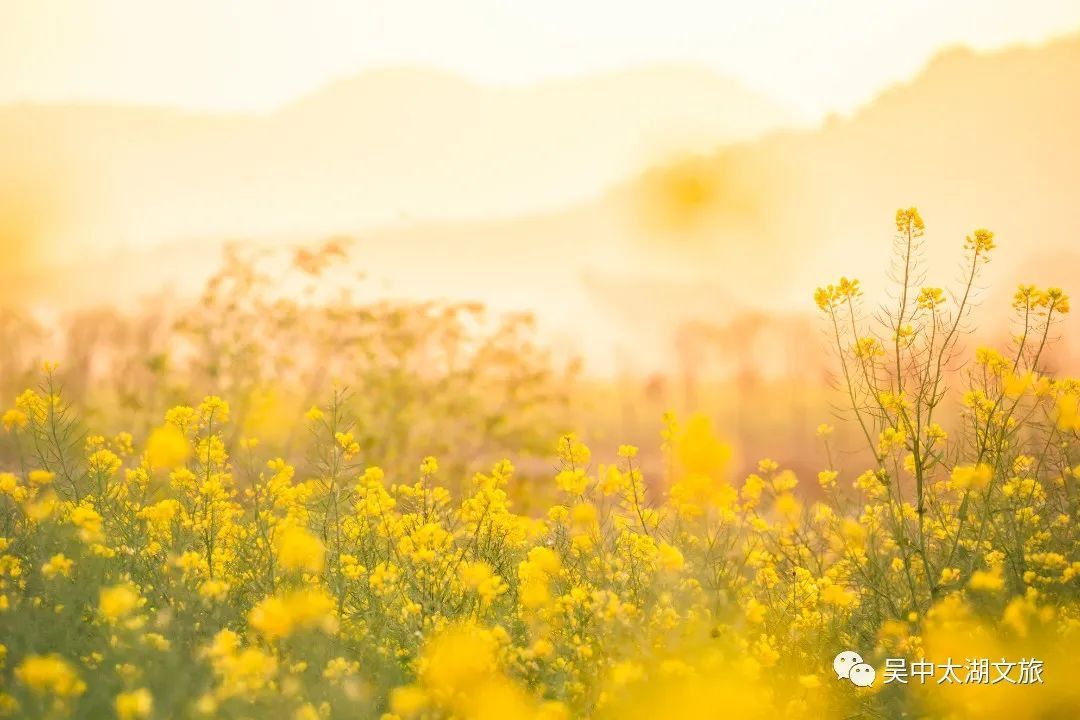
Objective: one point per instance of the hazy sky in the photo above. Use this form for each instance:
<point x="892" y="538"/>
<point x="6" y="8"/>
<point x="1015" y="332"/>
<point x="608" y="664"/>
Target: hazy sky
<point x="814" y="56"/>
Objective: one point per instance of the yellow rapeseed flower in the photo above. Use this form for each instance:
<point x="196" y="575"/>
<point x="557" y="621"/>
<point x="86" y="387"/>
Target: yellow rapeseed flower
<point x="167" y="447"/>
<point x="57" y="565"/>
<point x="134" y="705"/>
<point x="118" y="602"/>
<point x="478" y="577"/>
<point x="971" y="477"/>
<point x="298" y="549"/>
<point x="50" y="674"/>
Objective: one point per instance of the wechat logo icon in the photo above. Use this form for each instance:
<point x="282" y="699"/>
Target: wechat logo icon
<point x="849" y="665"/>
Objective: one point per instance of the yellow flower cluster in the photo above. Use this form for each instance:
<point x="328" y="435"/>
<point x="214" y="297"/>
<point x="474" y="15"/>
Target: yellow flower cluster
<point x="187" y="571"/>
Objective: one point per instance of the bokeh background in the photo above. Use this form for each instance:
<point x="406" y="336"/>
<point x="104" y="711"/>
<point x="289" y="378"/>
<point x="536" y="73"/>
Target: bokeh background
<point x="515" y="216"/>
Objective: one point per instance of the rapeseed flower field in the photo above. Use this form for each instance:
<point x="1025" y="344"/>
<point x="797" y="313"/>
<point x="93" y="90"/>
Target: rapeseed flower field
<point x="200" y="564"/>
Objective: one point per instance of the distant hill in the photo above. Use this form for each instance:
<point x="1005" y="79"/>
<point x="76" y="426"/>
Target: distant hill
<point x="384" y="148"/>
<point x="975" y="140"/>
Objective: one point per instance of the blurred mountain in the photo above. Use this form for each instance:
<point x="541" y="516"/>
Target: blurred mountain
<point x="383" y="148"/>
<point x="975" y="140"/>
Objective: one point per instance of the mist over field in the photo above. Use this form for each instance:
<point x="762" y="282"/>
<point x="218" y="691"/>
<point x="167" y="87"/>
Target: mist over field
<point x="703" y="196"/>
